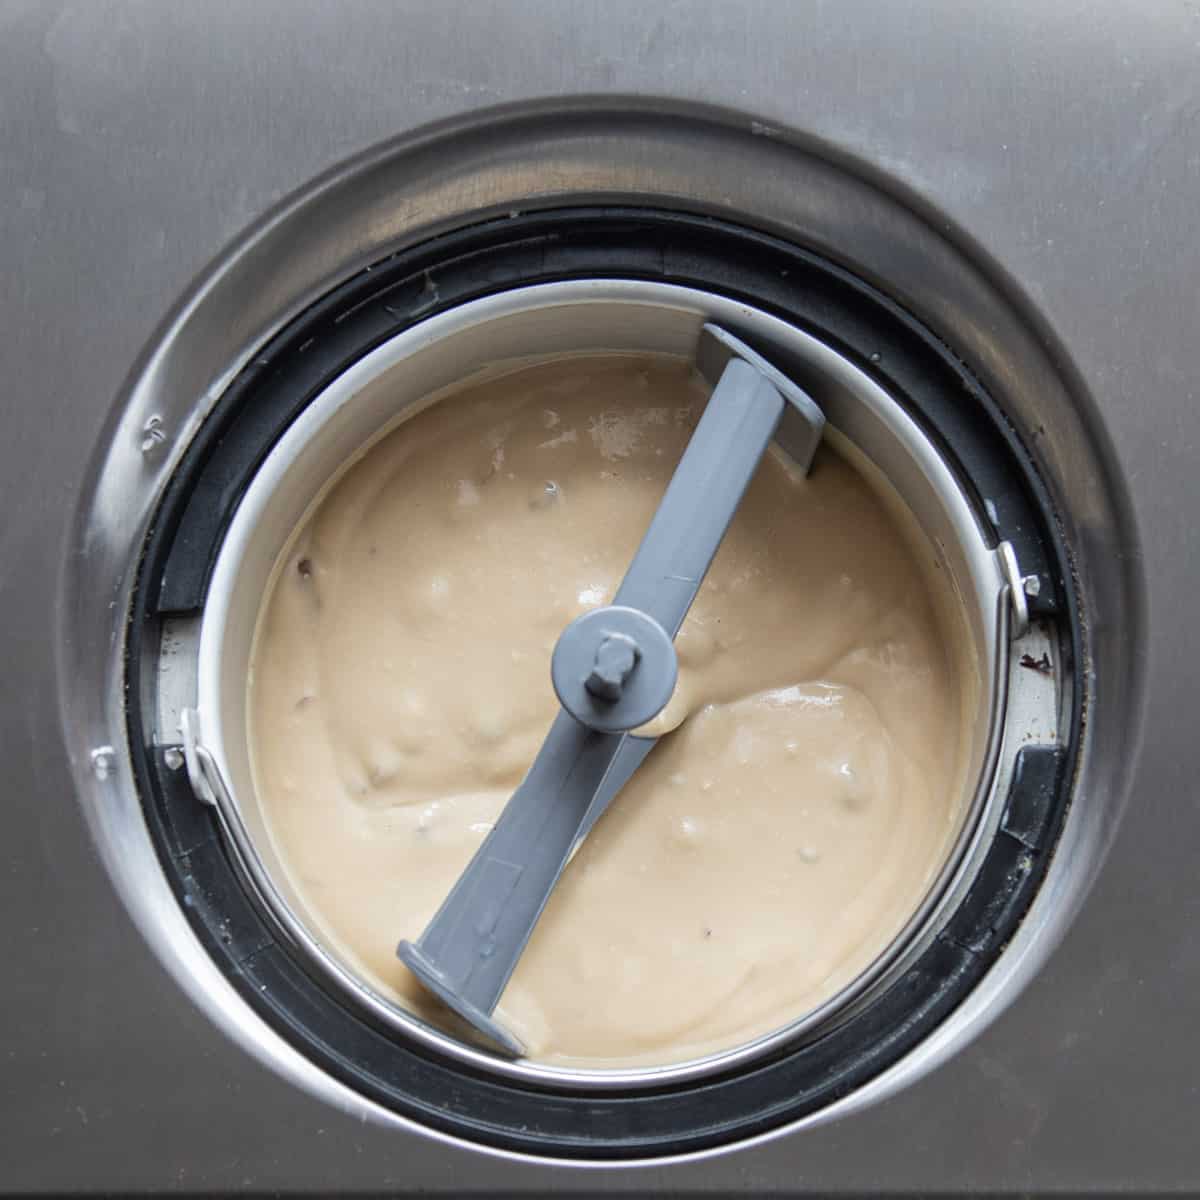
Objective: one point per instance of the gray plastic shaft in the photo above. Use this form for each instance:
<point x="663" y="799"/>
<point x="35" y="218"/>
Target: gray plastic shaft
<point x="471" y="947"/>
<point x="717" y="466"/>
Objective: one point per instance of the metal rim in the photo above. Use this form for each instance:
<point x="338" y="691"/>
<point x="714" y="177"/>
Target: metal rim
<point x="615" y="302"/>
<point x="392" y="201"/>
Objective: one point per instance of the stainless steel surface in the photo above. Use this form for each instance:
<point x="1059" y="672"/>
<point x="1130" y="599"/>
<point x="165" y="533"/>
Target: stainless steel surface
<point x="488" y="338"/>
<point x="1054" y="145"/>
<point x="357" y="213"/>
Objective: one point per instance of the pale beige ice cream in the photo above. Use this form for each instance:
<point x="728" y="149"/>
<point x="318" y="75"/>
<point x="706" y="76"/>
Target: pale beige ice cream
<point x="766" y="852"/>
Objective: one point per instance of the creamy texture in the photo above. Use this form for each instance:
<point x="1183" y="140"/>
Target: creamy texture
<point x="768" y="850"/>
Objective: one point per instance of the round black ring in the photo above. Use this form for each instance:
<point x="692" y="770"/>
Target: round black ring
<point x="937" y="388"/>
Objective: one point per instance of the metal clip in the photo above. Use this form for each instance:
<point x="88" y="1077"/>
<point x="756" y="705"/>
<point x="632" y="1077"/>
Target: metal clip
<point x="202" y="771"/>
<point x="1016" y="588"/>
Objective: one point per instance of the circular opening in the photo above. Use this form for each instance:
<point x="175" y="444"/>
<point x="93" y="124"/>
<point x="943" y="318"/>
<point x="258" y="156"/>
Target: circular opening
<point x="872" y="367"/>
<point x="488" y="338"/>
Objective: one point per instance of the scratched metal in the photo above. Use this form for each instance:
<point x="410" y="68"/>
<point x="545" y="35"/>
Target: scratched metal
<point x="1054" y="145"/>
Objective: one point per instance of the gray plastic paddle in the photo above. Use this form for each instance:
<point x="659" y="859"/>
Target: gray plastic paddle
<point x="611" y="670"/>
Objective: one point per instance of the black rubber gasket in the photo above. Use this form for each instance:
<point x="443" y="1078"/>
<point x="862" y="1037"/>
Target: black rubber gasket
<point x="696" y="251"/>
